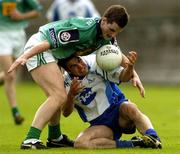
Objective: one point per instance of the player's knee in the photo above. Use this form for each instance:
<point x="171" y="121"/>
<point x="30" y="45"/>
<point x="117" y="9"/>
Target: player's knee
<point x="133" y="110"/>
<point x="77" y="144"/>
<point x="81" y="142"/>
<point x="59" y="98"/>
<point x="10" y="77"/>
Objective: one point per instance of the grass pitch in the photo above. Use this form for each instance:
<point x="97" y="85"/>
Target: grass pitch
<point x="162" y="105"/>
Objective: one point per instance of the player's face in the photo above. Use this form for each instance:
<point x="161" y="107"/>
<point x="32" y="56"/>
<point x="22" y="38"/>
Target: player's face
<point x="77" y="67"/>
<point x="109" y="30"/>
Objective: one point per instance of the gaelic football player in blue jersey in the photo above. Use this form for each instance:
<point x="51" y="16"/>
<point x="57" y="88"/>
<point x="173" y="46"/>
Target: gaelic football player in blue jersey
<point x="99" y="101"/>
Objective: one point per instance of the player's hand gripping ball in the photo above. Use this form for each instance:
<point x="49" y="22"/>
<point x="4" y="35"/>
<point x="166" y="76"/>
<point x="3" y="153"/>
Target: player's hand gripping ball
<point x="108" y="57"/>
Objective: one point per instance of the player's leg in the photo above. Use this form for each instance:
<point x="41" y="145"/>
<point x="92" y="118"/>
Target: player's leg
<point x="10" y="87"/>
<point x="95" y="137"/>
<point x="47" y="75"/>
<point x="50" y="79"/>
<point x="101" y="137"/>
<point x="55" y="138"/>
<point x="2" y="75"/>
<point x="129" y="113"/>
<point x="8" y="43"/>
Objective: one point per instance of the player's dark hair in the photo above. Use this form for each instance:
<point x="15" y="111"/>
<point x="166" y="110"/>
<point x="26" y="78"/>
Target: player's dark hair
<point x="117" y="14"/>
<point x="63" y="62"/>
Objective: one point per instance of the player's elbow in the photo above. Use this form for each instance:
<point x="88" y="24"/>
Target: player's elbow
<point x="66" y="113"/>
<point x="125" y="78"/>
<point x="126" y="75"/>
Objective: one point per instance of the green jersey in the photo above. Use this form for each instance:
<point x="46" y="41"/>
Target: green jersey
<point x="82" y="35"/>
<point x="6" y="6"/>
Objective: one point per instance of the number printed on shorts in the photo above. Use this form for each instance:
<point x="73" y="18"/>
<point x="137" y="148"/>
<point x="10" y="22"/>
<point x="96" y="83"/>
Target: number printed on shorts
<point x="7" y="7"/>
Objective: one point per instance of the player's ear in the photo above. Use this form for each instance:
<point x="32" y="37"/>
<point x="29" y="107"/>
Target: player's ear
<point x="103" y="22"/>
<point x="104" y="19"/>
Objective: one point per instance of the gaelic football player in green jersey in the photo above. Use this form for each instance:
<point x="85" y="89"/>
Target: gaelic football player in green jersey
<point x="57" y="40"/>
<point x="14" y="15"/>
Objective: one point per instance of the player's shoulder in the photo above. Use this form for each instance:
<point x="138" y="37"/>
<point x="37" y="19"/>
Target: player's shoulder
<point x="90" y="60"/>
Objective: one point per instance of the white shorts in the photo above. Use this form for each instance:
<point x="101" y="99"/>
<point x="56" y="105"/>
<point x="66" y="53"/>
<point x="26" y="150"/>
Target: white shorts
<point x="39" y="59"/>
<point x="12" y="42"/>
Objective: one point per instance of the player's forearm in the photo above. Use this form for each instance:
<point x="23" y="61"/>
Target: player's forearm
<point x="68" y="106"/>
<point x="127" y="73"/>
<point x="135" y="74"/>
<point x="31" y="14"/>
<point x="41" y="47"/>
<point x="18" y="16"/>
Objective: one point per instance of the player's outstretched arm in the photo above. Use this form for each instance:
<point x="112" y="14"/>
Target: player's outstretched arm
<point x="20" y="61"/>
<point x="135" y="78"/>
<point x="136" y="81"/>
<point x="41" y="47"/>
<point x="127" y="72"/>
<point x="17" y="15"/>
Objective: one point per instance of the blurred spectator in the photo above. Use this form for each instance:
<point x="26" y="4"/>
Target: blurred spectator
<point x="63" y="9"/>
<point x="13" y="21"/>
